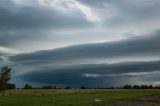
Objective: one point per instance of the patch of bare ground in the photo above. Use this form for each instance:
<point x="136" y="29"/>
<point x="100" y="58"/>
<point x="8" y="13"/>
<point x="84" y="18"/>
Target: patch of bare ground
<point x="148" y="100"/>
<point x="126" y="104"/>
<point x="154" y="97"/>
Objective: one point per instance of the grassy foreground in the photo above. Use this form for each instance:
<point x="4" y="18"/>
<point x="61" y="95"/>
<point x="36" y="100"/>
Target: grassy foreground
<point x="88" y="97"/>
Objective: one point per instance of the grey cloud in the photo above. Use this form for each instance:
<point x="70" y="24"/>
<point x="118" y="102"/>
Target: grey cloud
<point x="141" y="47"/>
<point x="28" y="24"/>
<point x="95" y="3"/>
<point x="62" y="65"/>
<point x="75" y="74"/>
<point x="20" y="26"/>
<point x="152" y="77"/>
<point x="127" y="13"/>
<point x="127" y="7"/>
<point x="29" y="17"/>
<point x="5" y="52"/>
<point x="23" y="25"/>
<point x="16" y="38"/>
<point x="75" y="81"/>
<point x="1" y="54"/>
<point x="1" y="60"/>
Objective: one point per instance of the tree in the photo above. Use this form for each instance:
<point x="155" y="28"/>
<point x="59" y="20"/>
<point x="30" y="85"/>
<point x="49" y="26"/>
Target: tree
<point x="47" y="87"/>
<point x="136" y="87"/>
<point x="10" y="86"/>
<point x="82" y="87"/>
<point x="127" y="86"/>
<point x="67" y="87"/>
<point x="27" y="86"/>
<point x="144" y="86"/>
<point x="4" y="77"/>
<point x="150" y="87"/>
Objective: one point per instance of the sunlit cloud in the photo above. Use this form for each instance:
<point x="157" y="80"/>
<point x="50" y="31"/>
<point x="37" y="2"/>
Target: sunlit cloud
<point x="70" y="5"/>
<point x="5" y="50"/>
<point x="64" y="6"/>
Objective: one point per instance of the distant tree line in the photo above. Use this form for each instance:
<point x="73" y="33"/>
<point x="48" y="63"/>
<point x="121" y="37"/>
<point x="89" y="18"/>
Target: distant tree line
<point x="140" y="87"/>
<point x="27" y="86"/>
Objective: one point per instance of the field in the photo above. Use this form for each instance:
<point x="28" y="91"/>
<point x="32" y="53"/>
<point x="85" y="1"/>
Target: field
<point x="86" y="97"/>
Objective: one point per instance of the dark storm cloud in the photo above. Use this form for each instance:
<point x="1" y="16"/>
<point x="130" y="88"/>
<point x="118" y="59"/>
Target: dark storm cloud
<point x="104" y="73"/>
<point x="141" y="47"/>
<point x="32" y="22"/>
<point x="29" y="17"/>
<point x="24" y="24"/>
<point x="1" y="54"/>
<point x="69" y="79"/>
<point x="29" y="25"/>
<point x="60" y="65"/>
<point x="1" y="60"/>
<point x="14" y="38"/>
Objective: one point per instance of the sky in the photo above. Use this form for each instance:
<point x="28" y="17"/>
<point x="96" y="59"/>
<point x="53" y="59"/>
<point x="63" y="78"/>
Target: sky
<point x="81" y="42"/>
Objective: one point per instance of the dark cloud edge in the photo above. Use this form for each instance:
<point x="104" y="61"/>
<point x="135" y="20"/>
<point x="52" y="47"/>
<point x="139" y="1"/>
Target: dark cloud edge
<point x="76" y="74"/>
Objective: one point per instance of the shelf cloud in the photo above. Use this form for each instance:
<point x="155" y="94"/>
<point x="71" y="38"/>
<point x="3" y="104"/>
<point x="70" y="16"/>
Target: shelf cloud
<point x="78" y="42"/>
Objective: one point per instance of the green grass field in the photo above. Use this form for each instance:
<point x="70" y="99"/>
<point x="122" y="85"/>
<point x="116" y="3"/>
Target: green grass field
<point x="86" y="97"/>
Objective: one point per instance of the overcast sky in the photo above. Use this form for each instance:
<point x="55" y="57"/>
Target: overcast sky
<point x="81" y="42"/>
